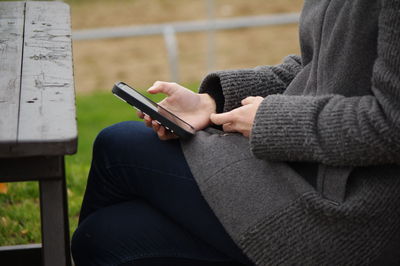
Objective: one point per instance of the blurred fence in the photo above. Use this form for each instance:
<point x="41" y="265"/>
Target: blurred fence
<point x="169" y="30"/>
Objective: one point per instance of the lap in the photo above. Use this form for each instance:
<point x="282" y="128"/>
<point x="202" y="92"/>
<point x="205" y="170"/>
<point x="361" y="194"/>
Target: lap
<point x="130" y="163"/>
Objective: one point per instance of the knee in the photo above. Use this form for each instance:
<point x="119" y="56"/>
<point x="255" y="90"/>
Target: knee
<point x="113" y="135"/>
<point x="119" y="136"/>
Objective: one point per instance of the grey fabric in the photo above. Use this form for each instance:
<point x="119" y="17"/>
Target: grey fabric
<point x="312" y="231"/>
<point x="332" y="182"/>
<point x="337" y="106"/>
<point x="236" y="85"/>
<point x="258" y="186"/>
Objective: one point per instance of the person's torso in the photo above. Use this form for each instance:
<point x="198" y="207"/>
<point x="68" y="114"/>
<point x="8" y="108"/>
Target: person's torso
<point x="338" y="41"/>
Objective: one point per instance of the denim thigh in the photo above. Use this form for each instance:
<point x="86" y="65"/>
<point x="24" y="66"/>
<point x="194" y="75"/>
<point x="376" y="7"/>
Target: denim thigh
<point x="132" y="168"/>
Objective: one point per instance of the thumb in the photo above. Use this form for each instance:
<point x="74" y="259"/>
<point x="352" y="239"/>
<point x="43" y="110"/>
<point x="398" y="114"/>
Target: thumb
<point x="167" y="88"/>
<point x="220" y="119"/>
<point x="248" y="100"/>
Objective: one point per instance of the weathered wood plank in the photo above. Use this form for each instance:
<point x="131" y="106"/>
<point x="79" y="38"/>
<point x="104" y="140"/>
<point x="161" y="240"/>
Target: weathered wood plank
<point x="11" y="39"/>
<point x="47" y="123"/>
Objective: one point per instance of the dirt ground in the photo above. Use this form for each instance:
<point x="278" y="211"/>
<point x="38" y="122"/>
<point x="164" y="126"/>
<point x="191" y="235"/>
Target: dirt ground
<point x="142" y="60"/>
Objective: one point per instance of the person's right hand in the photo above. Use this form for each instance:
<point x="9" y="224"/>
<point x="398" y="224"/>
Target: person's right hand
<point x="191" y="107"/>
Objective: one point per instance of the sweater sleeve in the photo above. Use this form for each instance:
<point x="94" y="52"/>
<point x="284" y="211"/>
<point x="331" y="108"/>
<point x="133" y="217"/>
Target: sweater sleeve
<point x="229" y="87"/>
<point x="337" y="130"/>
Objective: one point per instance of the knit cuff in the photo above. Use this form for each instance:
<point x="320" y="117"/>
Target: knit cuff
<point x="284" y="127"/>
<point x="230" y="87"/>
<point x="212" y="86"/>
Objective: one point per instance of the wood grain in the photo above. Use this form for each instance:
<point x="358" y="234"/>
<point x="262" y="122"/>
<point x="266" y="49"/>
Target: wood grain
<point x="47" y="110"/>
<point x="11" y="39"/>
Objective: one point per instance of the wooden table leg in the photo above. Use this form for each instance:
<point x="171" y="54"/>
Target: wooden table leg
<point x="55" y="226"/>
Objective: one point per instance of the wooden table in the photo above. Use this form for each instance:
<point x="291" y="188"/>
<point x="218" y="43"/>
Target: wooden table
<point x="37" y="117"/>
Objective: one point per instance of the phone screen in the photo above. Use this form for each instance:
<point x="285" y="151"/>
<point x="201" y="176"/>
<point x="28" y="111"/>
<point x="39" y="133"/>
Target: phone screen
<point x="157" y="108"/>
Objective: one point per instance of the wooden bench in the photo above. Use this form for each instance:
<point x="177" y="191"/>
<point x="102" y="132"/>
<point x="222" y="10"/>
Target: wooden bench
<point x="37" y="118"/>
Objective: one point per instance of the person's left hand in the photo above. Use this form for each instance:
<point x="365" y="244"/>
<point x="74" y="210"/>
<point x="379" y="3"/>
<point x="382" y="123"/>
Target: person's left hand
<point x="240" y="119"/>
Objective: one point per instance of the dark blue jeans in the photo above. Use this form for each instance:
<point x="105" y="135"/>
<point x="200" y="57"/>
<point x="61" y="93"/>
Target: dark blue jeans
<point x="142" y="206"/>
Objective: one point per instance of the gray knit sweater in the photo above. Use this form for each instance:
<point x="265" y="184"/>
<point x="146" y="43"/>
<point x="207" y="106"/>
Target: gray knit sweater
<point x="338" y="107"/>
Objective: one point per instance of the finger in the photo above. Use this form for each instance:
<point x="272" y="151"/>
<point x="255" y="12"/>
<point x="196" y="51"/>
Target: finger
<point x="229" y="127"/>
<point x="162" y="133"/>
<point x="140" y="114"/>
<point x="220" y="119"/>
<point x="248" y="100"/>
<point x="147" y="120"/>
<point x="167" y="88"/>
<point x="156" y="126"/>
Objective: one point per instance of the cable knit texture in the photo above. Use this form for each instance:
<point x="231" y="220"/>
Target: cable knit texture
<point x="260" y="81"/>
<point x="338" y="107"/>
<point x="338" y="130"/>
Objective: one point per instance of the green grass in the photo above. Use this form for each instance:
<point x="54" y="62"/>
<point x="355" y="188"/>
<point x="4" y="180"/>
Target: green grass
<point x="19" y="212"/>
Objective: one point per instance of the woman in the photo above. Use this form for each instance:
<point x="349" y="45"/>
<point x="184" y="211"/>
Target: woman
<point x="307" y="172"/>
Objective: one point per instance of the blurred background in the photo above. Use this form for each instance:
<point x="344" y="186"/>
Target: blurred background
<point x="168" y="55"/>
<point x="142" y="60"/>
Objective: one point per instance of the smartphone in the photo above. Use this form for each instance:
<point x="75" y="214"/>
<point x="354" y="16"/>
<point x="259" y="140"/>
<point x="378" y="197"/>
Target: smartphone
<point x="164" y="117"/>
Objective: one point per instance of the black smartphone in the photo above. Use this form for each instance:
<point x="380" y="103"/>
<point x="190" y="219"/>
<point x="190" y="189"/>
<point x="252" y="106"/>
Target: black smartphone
<point x="166" y="118"/>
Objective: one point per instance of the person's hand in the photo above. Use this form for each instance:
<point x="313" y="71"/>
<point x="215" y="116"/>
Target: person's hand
<point x="161" y="131"/>
<point x="191" y="107"/>
<point x="240" y="119"/>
